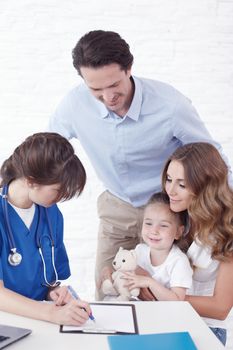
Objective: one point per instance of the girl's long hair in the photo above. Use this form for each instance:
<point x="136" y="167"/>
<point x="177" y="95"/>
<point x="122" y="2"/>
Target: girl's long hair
<point x="211" y="208"/>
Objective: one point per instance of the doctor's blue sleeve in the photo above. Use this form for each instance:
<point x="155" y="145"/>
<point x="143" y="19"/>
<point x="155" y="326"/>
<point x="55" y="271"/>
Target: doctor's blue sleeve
<point x="61" y="257"/>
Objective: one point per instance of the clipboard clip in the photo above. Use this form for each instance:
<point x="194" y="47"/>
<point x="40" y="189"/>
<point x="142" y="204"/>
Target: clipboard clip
<point x="99" y="330"/>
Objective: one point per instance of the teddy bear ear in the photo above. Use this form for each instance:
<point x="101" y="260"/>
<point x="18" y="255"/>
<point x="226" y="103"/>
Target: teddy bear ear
<point x="133" y="253"/>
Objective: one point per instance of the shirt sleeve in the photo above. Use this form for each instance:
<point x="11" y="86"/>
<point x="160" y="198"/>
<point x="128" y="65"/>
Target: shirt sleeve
<point x="188" y="127"/>
<point x="1" y="272"/>
<point x="181" y="273"/>
<point x="61" y="120"/>
<point x="140" y="254"/>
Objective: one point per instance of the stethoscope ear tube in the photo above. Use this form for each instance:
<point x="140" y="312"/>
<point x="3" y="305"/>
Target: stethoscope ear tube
<point x="14" y="258"/>
<point x="56" y="282"/>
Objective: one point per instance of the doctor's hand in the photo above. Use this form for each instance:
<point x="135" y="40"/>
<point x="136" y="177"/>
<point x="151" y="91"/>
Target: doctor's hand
<point x="60" y="295"/>
<point x="74" y="313"/>
<point x="145" y="293"/>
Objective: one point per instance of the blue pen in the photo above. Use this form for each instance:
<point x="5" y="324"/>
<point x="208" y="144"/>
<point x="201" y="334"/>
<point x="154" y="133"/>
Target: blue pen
<point x="75" y="296"/>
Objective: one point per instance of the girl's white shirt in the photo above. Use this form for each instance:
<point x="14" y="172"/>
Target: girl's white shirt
<point x="204" y="276"/>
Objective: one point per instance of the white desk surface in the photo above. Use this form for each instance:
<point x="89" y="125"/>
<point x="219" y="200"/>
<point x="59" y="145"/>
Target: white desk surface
<point x="153" y="317"/>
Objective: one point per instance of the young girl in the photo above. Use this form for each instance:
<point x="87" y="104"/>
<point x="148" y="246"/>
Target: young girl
<point x="169" y="269"/>
<point x="42" y="171"/>
<point x="195" y="178"/>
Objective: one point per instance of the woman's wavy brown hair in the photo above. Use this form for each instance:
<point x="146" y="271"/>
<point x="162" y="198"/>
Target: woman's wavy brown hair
<point x="211" y="209"/>
<point x="46" y="158"/>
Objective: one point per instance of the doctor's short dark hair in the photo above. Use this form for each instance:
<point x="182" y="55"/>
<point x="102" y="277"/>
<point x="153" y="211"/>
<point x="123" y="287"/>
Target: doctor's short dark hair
<point x="99" y="48"/>
<point x="46" y="158"/>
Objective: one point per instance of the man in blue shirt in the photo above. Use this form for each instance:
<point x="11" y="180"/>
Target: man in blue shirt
<point x="128" y="127"/>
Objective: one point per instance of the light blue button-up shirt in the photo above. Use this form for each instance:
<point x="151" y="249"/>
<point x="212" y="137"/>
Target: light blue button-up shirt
<point x="129" y="153"/>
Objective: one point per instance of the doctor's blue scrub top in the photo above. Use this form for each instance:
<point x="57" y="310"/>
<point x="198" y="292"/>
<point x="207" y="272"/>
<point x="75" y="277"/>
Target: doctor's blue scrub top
<point x="28" y="277"/>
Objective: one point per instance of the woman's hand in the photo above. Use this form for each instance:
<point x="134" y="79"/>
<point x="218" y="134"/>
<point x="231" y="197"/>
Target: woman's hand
<point x="74" y="313"/>
<point x="60" y="295"/>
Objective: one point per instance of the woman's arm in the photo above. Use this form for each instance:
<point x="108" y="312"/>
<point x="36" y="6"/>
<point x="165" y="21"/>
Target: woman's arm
<point x="73" y="313"/>
<point x="219" y="305"/>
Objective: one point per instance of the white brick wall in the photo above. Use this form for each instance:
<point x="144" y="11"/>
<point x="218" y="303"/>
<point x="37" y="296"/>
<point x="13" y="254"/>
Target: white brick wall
<point x="186" y="43"/>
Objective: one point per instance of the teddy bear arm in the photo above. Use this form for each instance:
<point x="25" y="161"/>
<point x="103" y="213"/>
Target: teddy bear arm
<point x="108" y="288"/>
<point x="135" y="292"/>
<point x="114" y="275"/>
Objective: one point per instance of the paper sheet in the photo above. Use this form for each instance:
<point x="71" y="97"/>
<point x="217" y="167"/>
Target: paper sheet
<point x="109" y="318"/>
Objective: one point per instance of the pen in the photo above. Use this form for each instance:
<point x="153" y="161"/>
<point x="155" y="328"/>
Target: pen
<point x="75" y="296"/>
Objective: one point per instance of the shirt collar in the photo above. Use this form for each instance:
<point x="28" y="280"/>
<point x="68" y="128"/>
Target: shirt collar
<point x="104" y="112"/>
<point x="135" y="107"/>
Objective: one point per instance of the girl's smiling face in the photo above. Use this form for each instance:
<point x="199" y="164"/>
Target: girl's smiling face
<point x="160" y="226"/>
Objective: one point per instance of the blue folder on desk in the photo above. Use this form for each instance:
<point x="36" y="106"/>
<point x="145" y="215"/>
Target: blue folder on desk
<point x="161" y="341"/>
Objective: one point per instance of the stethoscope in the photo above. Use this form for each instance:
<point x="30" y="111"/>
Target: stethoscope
<point x="15" y="258"/>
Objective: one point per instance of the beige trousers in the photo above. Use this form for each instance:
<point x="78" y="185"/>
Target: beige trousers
<point x="120" y="226"/>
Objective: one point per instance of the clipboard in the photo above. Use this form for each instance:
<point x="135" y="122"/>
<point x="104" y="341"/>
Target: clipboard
<point x="111" y="318"/>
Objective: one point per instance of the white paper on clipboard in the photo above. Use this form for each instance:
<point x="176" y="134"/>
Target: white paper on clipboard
<point x="109" y="318"/>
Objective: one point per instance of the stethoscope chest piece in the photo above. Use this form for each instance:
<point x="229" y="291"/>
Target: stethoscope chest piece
<point x="14" y="258"/>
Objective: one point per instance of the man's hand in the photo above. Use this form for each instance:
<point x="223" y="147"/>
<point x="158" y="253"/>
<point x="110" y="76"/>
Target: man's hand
<point x="105" y="274"/>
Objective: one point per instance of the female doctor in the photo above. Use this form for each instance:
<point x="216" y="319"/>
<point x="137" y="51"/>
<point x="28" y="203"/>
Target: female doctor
<point x="42" y="171"/>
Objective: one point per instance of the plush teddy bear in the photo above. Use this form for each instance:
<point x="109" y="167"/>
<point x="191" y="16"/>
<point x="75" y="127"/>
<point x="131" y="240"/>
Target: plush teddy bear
<point x="125" y="260"/>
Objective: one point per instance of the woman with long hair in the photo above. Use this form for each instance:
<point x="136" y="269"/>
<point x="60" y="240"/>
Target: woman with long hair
<point x="195" y="178"/>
